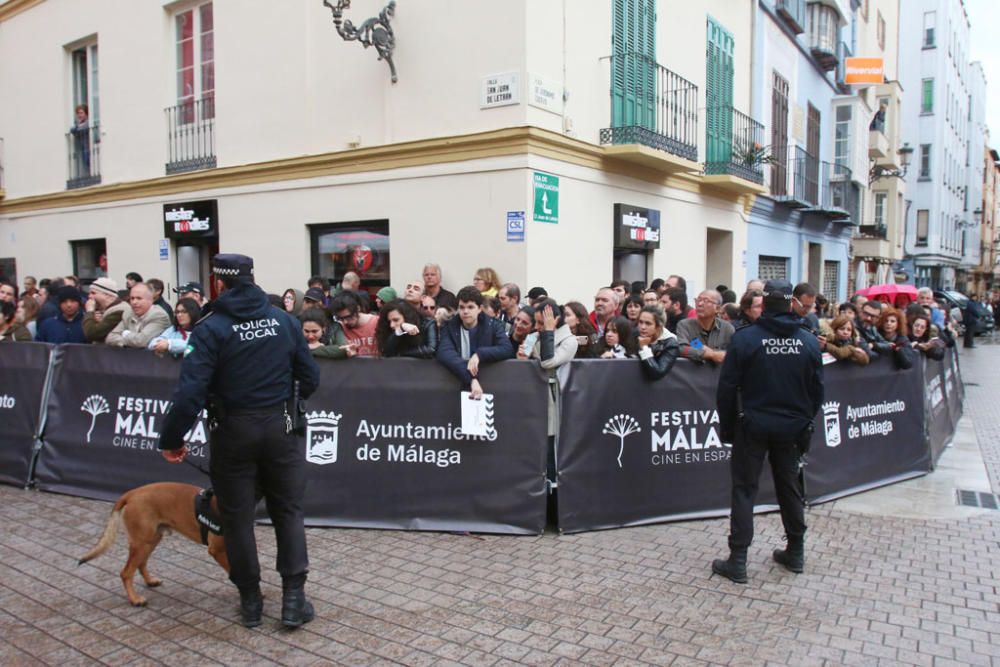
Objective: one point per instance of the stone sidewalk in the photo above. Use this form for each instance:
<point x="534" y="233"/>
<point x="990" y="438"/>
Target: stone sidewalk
<point x="878" y="590"/>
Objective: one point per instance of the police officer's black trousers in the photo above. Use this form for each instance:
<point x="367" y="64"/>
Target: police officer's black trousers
<point x="248" y="449"/>
<point x="746" y="465"/>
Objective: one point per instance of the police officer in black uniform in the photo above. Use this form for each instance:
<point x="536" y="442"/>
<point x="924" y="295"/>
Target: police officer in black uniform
<point x="770" y="388"/>
<point x="241" y="361"/>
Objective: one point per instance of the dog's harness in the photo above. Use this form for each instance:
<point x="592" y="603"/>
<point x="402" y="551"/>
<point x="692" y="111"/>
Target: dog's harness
<point x="208" y="519"/>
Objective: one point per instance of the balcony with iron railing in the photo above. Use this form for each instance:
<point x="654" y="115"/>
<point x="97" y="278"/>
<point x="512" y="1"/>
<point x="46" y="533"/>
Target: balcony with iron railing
<point x="793" y="12"/>
<point x="795" y="181"/>
<point x="823" y="23"/>
<point x="191" y="135"/>
<point x="839" y="198"/>
<point x="83" y="149"/>
<point x="873" y="230"/>
<point x="653" y="107"/>
<point x="733" y="145"/>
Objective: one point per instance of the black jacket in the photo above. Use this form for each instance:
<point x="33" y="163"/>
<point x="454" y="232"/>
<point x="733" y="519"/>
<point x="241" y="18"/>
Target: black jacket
<point x="777" y="369"/>
<point x="423" y="346"/>
<point x="245" y="353"/>
<point x="489" y="341"/>
<point x="878" y="344"/>
<point x="665" y="352"/>
<point x="902" y="352"/>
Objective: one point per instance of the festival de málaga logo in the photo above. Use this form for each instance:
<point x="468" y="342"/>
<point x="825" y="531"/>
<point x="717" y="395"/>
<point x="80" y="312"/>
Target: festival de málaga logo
<point x="621" y="426"/>
<point x="94" y="406"/>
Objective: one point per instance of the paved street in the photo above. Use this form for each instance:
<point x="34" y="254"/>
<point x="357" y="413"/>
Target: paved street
<point x="879" y="589"/>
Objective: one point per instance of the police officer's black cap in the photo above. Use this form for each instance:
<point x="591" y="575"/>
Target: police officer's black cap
<point x="190" y="287"/>
<point x="314" y="294"/>
<point x="232" y="266"/>
<point x="778" y="288"/>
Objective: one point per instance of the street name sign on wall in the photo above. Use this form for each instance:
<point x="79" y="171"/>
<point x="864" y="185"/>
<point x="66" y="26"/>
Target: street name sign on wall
<point x="500" y="90"/>
<point x="546" y="196"/>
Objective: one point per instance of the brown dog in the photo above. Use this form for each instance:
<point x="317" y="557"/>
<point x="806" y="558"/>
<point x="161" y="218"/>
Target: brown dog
<point x="149" y="512"/>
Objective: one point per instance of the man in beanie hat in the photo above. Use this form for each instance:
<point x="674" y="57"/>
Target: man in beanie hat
<point x="384" y="296"/>
<point x="67" y="326"/>
<point x="247" y="356"/>
<point x="770" y="389"/>
<point x="104" y="310"/>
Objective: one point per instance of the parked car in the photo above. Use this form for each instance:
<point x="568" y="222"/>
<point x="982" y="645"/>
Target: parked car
<point x="984" y="317"/>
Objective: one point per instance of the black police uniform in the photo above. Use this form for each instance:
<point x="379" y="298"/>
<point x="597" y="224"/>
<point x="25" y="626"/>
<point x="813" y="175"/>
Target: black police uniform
<point x="773" y="376"/>
<point x="242" y="358"/>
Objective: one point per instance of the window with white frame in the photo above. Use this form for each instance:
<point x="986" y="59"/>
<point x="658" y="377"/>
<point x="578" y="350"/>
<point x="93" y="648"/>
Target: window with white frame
<point x="842" y="137"/>
<point x="195" y="40"/>
<point x="925" y="160"/>
<point x="85" y="88"/>
<point x="929" y="20"/>
<point x="880" y="199"/>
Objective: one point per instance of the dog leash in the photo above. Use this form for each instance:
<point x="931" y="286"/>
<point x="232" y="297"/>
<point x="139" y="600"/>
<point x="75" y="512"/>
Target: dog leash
<point x="197" y="467"/>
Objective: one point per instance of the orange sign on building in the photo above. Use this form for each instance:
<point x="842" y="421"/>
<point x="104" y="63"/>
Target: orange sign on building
<point x="864" y="71"/>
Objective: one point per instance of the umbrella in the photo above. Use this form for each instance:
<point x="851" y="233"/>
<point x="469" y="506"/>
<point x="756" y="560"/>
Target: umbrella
<point x="891" y="289"/>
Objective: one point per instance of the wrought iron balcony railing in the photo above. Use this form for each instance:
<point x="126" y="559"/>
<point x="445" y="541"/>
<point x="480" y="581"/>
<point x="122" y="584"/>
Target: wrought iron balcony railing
<point x="83" y="148"/>
<point x="652" y="106"/>
<point x="800" y="188"/>
<point x="874" y="231"/>
<point x="734" y="144"/>
<point x="840" y="198"/>
<point x="191" y="135"/>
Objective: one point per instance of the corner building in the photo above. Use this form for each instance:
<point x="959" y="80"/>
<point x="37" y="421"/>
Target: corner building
<point x="624" y="137"/>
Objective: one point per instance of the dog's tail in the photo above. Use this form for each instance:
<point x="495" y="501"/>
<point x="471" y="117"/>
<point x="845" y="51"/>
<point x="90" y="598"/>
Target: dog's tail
<point x="109" y="535"/>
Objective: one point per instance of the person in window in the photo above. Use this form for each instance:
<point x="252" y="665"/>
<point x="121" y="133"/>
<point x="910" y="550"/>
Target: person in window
<point x="576" y="317"/>
<point x="920" y="337"/>
<point x="892" y="327"/>
<point x="81" y="140"/>
<point x="658" y="347"/>
<point x="619" y="341"/>
<point x="878" y="120"/>
<point x="472" y="339"/>
<point x="175" y="339"/>
<point x="403" y="332"/>
<point x="842" y="342"/>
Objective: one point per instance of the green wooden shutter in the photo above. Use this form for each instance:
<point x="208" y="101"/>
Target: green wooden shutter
<point x="720" y="51"/>
<point x="633" y="68"/>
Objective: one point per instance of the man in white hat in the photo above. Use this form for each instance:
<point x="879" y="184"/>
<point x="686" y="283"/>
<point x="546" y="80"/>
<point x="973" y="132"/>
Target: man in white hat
<point x="104" y="310"/>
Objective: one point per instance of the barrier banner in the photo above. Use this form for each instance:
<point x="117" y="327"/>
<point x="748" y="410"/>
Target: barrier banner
<point x="384" y="448"/>
<point x="23" y="367"/>
<point x="954" y="387"/>
<point x="633" y="451"/>
<point x="937" y="409"/>
<point x="104" y="411"/>
<point x="870" y="430"/>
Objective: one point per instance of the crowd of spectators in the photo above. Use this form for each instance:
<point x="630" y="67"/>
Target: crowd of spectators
<point x="486" y="321"/>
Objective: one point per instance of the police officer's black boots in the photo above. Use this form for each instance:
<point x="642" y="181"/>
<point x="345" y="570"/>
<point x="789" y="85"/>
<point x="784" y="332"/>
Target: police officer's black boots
<point x="734" y="568"/>
<point x="251" y="606"/>
<point x="792" y="557"/>
<point x="296" y="610"/>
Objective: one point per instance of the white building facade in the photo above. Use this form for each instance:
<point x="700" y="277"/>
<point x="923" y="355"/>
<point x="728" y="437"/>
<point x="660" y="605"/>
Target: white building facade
<point x="563" y="144"/>
<point x="938" y="81"/>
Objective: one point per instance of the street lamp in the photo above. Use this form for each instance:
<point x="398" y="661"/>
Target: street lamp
<point x="375" y="31"/>
<point x="878" y="171"/>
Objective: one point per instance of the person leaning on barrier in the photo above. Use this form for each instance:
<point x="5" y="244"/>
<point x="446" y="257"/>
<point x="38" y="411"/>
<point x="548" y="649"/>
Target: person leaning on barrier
<point x="144" y="322"/>
<point x="403" y="332"/>
<point x="523" y="325"/>
<point x="840" y="340"/>
<point x="920" y="337"/>
<point x="770" y="389"/>
<point x="67" y="325"/>
<point x="175" y="339"/>
<point x="706" y="336"/>
<point x="658" y="347"/>
<point x="892" y="327"/>
<point x="472" y="339"/>
<point x="867" y="326"/>
<point x="242" y="361"/>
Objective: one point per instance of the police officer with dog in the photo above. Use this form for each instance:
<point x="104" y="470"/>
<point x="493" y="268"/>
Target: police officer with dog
<point x="770" y="389"/>
<point x="242" y="362"/>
